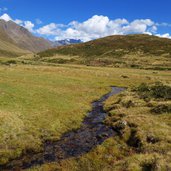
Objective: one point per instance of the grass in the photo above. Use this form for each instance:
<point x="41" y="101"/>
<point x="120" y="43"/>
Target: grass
<point x="143" y="142"/>
<point x="146" y="133"/>
<point x="115" y="46"/>
<point x="130" y="60"/>
<point x="133" y="51"/>
<point x="42" y="102"/>
<point x="43" y="96"/>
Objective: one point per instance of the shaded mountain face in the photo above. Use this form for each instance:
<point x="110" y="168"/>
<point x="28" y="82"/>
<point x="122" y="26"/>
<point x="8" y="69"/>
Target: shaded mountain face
<point x="22" y="37"/>
<point x="66" y="42"/>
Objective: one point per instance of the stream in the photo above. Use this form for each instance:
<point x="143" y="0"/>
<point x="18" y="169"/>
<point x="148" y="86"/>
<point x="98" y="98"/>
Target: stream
<point x="75" y="143"/>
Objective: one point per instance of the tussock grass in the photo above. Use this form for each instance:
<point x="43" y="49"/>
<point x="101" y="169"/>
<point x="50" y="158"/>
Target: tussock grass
<point x="42" y="102"/>
<point x="144" y="143"/>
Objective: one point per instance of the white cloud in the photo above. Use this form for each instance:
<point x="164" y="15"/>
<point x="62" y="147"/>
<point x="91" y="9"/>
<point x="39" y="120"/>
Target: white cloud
<point x="98" y="26"/>
<point x="138" y="26"/>
<point x="50" y="29"/>
<point x="153" y="29"/>
<point x="5" y="17"/>
<point x="95" y="27"/>
<point x="17" y="21"/>
<point x="28" y="25"/>
<point x="166" y="35"/>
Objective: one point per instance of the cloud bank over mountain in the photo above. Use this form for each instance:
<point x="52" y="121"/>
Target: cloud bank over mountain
<point x="95" y="27"/>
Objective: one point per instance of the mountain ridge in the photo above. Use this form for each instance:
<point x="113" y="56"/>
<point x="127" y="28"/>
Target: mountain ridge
<point x="23" y="38"/>
<point x="18" y="40"/>
<point x="8" y="46"/>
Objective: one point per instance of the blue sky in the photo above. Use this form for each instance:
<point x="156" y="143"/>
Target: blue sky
<point x="53" y="19"/>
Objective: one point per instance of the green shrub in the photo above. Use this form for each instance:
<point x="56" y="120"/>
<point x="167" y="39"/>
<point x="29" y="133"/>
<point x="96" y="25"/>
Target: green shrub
<point x="143" y="88"/>
<point x="161" y="109"/>
<point x="158" y="90"/>
<point x="161" y="91"/>
<point x="128" y="104"/>
<point x="9" y="62"/>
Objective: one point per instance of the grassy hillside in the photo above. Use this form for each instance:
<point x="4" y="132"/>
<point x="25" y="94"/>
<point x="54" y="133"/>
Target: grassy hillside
<point x="140" y="51"/>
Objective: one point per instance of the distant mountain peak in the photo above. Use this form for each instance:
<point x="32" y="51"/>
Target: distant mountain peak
<point x="66" y="42"/>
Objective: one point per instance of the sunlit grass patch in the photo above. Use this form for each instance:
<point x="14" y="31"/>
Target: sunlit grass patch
<point x="145" y="140"/>
<point x="42" y="102"/>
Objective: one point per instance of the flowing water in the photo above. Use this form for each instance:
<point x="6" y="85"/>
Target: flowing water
<point x="75" y="143"/>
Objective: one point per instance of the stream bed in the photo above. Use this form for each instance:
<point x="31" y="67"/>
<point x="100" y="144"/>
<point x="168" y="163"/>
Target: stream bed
<point x="75" y="143"/>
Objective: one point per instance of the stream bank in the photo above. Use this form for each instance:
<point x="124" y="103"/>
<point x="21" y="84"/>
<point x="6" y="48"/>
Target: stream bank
<point x="92" y="133"/>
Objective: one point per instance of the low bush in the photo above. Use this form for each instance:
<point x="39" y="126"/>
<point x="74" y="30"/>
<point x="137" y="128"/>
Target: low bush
<point x="162" y="108"/>
<point x="128" y="104"/>
<point x="158" y="90"/>
<point x="9" y="62"/>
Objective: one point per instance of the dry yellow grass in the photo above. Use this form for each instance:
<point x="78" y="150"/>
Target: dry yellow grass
<point x="45" y="101"/>
<point x="153" y="133"/>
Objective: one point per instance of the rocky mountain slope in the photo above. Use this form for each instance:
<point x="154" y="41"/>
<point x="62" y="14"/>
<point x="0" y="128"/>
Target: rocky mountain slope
<point x="23" y="38"/>
<point x="8" y="46"/>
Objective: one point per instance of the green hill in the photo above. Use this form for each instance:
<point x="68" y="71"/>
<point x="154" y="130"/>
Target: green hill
<point x="130" y="50"/>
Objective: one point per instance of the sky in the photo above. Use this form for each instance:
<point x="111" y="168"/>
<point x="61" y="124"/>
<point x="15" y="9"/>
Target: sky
<point x="89" y="19"/>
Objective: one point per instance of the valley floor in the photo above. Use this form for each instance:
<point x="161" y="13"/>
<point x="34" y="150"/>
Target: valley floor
<point x="40" y="103"/>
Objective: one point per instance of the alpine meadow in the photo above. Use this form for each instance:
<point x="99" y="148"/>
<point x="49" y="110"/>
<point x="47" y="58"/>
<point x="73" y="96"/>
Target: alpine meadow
<point x="90" y="95"/>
